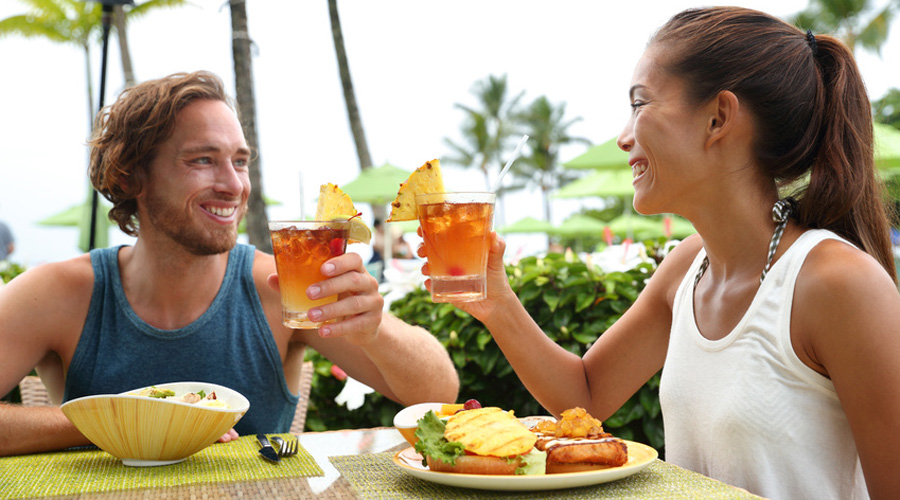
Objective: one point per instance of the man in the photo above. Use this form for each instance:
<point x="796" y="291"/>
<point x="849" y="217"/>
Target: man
<point x="185" y="302"/>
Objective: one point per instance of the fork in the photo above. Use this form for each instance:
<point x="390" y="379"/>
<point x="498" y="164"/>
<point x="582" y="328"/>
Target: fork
<point x="286" y="448"/>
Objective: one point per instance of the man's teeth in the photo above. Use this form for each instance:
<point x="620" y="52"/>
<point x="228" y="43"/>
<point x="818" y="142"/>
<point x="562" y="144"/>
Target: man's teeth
<point x="221" y="212"/>
<point x="638" y="169"/>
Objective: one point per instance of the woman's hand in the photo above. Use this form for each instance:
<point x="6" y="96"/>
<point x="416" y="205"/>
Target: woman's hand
<point x="498" y="289"/>
<point x="228" y="436"/>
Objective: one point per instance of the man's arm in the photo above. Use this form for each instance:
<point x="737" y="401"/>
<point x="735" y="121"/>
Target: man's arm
<point x="42" y="312"/>
<point x="411" y="364"/>
<point x="33" y="430"/>
<point x="402" y="362"/>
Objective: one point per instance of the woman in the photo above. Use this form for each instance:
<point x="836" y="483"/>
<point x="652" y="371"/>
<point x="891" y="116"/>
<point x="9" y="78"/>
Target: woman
<point x="781" y="369"/>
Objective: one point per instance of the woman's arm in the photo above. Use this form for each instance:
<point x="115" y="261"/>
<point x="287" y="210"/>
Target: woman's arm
<point x="618" y="363"/>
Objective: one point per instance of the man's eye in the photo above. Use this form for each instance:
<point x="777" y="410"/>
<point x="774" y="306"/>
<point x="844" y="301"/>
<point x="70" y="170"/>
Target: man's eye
<point x="242" y="163"/>
<point x="637" y="104"/>
<point x="203" y="160"/>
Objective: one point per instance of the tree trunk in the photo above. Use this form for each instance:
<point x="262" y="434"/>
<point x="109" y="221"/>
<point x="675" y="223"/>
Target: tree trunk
<point x="90" y="90"/>
<point x="356" y="127"/>
<point x="124" y="51"/>
<point x="257" y="220"/>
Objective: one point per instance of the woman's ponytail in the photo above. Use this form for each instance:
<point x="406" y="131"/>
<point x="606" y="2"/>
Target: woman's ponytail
<point x="844" y="194"/>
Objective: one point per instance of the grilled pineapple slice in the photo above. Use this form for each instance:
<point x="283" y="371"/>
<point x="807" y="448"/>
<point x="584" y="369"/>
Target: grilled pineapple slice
<point x="490" y="431"/>
<point x="425" y="179"/>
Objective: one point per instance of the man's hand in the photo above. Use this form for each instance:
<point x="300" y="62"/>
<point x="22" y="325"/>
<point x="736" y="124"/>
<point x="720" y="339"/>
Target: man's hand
<point x="359" y="305"/>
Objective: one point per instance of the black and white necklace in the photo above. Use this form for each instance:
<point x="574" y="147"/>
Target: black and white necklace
<point x="781" y="213"/>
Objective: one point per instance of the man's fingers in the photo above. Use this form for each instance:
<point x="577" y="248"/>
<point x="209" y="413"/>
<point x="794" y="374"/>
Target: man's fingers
<point x="272" y="281"/>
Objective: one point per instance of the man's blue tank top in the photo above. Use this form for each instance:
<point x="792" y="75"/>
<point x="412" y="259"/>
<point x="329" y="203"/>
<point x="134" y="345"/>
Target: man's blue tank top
<point x="231" y="344"/>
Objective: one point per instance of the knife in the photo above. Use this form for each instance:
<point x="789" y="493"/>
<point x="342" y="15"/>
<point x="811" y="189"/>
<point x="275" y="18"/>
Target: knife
<point x="267" y="451"/>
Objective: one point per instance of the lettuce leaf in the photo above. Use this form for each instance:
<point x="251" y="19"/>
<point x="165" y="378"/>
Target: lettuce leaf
<point x="432" y="442"/>
<point x="534" y="463"/>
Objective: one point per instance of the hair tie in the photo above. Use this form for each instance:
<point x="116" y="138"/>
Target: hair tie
<point x="811" y="40"/>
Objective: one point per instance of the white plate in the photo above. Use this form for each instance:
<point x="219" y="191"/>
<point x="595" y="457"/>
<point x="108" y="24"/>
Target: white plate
<point x="640" y="456"/>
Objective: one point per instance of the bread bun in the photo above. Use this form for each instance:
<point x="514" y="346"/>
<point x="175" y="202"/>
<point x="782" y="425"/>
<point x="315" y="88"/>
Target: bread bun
<point x="474" y="464"/>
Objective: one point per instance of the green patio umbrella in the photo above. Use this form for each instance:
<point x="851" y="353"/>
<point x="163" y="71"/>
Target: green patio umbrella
<point x="636" y="227"/>
<point x="606" y="156"/>
<point x="601" y="183"/>
<point x="376" y="184"/>
<point x="80" y="216"/>
<point x="643" y="228"/>
<point x="527" y="225"/>
<point x="379" y="185"/>
<point x="579" y="225"/>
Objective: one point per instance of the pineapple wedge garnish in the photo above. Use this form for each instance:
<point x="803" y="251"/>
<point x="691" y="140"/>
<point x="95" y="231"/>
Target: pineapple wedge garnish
<point x="425" y="179"/>
<point x="335" y="204"/>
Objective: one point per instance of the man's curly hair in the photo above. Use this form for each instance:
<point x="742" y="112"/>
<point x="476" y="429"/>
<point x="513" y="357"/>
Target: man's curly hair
<point x="128" y="132"/>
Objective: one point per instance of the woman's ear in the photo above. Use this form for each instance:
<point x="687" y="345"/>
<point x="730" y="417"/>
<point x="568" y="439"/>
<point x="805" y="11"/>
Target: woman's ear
<point x="724" y="110"/>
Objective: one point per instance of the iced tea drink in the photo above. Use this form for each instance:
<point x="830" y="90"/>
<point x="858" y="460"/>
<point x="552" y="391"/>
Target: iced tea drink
<point x="300" y="248"/>
<point x="456" y="228"/>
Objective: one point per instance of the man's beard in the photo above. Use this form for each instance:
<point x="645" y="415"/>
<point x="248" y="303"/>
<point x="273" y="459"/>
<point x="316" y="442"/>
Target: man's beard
<point x="179" y="227"/>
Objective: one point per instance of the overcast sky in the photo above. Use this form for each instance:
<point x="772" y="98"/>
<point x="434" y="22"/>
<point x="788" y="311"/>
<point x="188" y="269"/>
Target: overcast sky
<point x="410" y="62"/>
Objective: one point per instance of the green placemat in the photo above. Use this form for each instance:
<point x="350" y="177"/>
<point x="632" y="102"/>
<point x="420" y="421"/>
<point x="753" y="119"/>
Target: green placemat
<point x="376" y="476"/>
<point x="91" y="471"/>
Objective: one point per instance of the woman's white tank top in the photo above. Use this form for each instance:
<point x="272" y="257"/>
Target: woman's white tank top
<point x="745" y="409"/>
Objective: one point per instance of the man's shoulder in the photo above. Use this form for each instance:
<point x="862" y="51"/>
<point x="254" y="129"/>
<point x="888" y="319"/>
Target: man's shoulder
<point x="75" y="272"/>
<point x="67" y="284"/>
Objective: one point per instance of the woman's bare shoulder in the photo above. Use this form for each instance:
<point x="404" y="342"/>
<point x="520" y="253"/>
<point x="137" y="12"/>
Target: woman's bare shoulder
<point x="842" y="290"/>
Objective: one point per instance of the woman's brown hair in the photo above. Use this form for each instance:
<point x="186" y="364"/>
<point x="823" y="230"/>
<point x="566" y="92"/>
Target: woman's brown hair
<point x="128" y="133"/>
<point x="813" y="117"/>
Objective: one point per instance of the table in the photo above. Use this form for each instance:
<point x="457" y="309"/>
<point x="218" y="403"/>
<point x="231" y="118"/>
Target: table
<point x="354" y="444"/>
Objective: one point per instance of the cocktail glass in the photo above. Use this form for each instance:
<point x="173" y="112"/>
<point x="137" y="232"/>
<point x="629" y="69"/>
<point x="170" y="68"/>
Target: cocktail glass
<point x="456" y="228"/>
<point x="300" y="248"/>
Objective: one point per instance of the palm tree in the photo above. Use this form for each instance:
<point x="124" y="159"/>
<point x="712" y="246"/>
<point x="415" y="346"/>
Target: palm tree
<point x="486" y="131"/>
<point x="257" y="220"/>
<point x="76" y="22"/>
<point x="548" y="129"/>
<point x="121" y="19"/>
<point x="857" y="22"/>
<point x="63" y="21"/>
<point x="356" y="126"/>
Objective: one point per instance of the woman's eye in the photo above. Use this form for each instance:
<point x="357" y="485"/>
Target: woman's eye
<point x="637" y="104"/>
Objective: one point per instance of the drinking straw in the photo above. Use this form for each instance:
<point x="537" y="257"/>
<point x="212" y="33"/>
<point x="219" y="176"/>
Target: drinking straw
<point x="509" y="163"/>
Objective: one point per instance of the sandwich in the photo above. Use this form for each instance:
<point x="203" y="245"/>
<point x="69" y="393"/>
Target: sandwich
<point x="480" y="441"/>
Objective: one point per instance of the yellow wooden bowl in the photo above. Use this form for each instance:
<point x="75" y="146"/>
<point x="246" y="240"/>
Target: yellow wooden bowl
<point x="145" y="431"/>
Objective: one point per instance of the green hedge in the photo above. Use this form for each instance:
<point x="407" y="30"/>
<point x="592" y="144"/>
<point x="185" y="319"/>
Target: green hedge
<point x="574" y="303"/>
